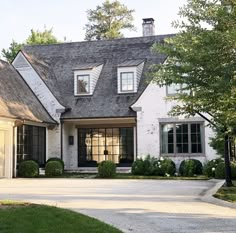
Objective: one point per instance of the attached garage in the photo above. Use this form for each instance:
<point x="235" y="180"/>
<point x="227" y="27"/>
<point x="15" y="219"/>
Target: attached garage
<point x="6" y="148"/>
<point x="23" y="122"/>
<point x="2" y="153"/>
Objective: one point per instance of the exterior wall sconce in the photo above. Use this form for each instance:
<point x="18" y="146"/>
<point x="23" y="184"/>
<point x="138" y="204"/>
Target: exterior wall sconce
<point x="71" y="140"/>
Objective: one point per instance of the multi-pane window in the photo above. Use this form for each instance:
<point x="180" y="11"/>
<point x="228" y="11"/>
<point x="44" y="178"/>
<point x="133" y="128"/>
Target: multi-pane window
<point x="196" y="145"/>
<point x="98" y="144"/>
<point x="31" y="143"/>
<point x="182" y="138"/>
<point x="83" y="86"/>
<point x="127" y="81"/>
<point x="174" y="89"/>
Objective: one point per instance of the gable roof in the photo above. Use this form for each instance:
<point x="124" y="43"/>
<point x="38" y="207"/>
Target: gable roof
<point x="56" y="63"/>
<point x="17" y="101"/>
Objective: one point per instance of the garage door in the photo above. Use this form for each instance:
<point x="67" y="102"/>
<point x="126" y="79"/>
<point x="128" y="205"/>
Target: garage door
<point x="2" y="153"/>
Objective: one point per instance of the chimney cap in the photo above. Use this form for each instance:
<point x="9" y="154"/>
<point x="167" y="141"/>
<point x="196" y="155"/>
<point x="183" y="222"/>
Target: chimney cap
<point x="148" y="20"/>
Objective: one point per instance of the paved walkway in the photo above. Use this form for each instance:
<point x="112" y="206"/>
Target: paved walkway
<point x="139" y="206"/>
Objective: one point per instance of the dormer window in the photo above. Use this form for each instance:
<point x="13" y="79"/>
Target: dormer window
<point x="85" y="78"/>
<point x="127" y="81"/>
<point x="128" y="76"/>
<point x="83" y="84"/>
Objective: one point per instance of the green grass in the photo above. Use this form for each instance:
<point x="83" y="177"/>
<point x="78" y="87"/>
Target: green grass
<point x="29" y="218"/>
<point x="227" y="193"/>
<point x="127" y="176"/>
<point x="130" y="176"/>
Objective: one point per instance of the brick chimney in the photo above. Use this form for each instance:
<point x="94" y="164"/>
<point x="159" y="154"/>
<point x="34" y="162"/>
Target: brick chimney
<point x="148" y="27"/>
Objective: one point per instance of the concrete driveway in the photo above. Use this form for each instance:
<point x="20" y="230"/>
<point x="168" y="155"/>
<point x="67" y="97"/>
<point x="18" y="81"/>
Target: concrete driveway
<point x="139" y="206"/>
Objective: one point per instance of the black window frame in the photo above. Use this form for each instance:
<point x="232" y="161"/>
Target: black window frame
<point x="190" y="136"/>
<point x="127" y="145"/>
<point x="31" y="144"/>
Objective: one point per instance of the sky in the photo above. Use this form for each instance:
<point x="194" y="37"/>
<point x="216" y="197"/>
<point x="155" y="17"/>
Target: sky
<point x="68" y="17"/>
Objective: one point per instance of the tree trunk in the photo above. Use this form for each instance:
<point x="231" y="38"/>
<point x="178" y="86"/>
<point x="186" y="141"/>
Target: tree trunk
<point x="228" y="181"/>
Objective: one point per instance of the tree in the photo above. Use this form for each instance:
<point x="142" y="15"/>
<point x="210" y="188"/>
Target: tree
<point x="44" y="37"/>
<point x="107" y="21"/>
<point x="36" y="37"/>
<point x="10" y="53"/>
<point x="201" y="58"/>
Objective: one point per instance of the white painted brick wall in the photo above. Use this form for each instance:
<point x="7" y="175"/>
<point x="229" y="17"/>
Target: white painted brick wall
<point x="155" y="106"/>
<point x="54" y="142"/>
<point x="70" y="152"/>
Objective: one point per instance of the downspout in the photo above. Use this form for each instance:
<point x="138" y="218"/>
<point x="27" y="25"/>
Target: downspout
<point x="62" y="140"/>
<point x="14" y="152"/>
<point x="136" y="132"/>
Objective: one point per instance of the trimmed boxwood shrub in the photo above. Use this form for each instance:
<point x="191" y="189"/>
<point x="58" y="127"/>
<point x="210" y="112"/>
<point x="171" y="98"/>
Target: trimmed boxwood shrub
<point x="190" y="167"/>
<point x="28" y="169"/>
<point x="168" y="167"/>
<point x="53" y="168"/>
<point x="106" y="169"/>
<point x="157" y="169"/>
<point x="148" y="166"/>
<point x="138" y="167"/>
<point x="143" y="166"/>
<point x="57" y="159"/>
<point x="151" y="166"/>
<point x="210" y="166"/>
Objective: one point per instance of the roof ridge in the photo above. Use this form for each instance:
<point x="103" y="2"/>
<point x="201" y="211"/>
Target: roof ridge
<point x="101" y="41"/>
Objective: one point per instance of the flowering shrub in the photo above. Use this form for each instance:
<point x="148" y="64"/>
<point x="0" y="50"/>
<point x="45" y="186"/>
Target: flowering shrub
<point x="210" y="167"/>
<point x="152" y="166"/>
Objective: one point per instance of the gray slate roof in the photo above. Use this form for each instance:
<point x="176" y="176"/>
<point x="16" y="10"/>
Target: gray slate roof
<point x="56" y="64"/>
<point x="86" y="66"/>
<point x="130" y="63"/>
<point x="17" y="101"/>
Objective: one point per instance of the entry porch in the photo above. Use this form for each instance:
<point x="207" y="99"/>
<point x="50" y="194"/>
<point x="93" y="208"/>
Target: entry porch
<point x="87" y="142"/>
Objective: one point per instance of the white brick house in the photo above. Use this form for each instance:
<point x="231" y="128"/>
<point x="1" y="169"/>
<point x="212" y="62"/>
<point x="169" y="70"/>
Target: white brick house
<point x="102" y="107"/>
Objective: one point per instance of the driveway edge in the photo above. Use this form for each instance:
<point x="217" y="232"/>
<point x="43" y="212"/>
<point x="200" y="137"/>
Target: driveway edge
<point x="208" y="197"/>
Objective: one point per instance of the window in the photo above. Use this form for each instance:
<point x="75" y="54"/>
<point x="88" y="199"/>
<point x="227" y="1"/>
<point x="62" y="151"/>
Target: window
<point x="99" y="144"/>
<point x="174" y="89"/>
<point x="127" y="81"/>
<point x="182" y="138"/>
<point x="31" y="143"/>
<point x="83" y="86"/>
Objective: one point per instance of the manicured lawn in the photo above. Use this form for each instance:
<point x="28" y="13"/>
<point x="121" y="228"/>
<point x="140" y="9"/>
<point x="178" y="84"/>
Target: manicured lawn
<point x="29" y="218"/>
<point x="227" y="193"/>
<point x="130" y="176"/>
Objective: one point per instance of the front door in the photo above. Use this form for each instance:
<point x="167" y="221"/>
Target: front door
<point x="2" y="153"/>
<point x="98" y="144"/>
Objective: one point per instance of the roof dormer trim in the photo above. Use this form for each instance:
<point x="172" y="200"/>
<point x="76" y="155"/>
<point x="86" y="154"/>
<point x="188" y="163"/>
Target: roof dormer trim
<point x="128" y="76"/>
<point x="85" y="78"/>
